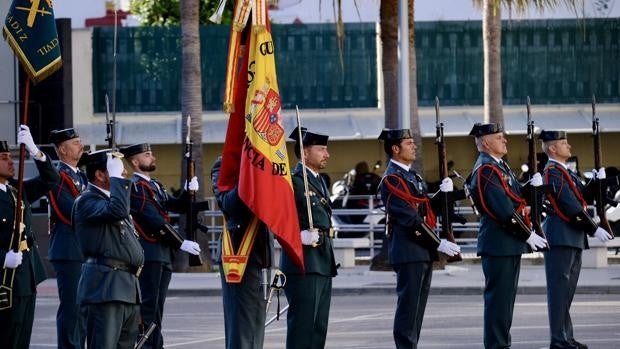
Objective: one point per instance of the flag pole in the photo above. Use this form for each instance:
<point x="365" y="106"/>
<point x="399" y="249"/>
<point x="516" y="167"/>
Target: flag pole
<point x="8" y="274"/>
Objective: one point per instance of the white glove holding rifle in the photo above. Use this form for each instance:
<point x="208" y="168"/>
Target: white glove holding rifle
<point x="114" y="166"/>
<point x="446" y="185"/>
<point x="536" y="242"/>
<point x="193" y="184"/>
<point x="449" y="248"/>
<point x="602" y="235"/>
<point x="190" y="247"/>
<point x="536" y="180"/>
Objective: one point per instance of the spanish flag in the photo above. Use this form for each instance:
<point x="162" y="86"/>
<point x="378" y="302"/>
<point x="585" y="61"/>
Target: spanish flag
<point x="255" y="134"/>
<point x="30" y="30"/>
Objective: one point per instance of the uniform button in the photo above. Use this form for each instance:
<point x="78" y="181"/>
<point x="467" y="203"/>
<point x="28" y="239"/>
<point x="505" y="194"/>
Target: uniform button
<point x="4" y="219"/>
<point x="238" y="226"/>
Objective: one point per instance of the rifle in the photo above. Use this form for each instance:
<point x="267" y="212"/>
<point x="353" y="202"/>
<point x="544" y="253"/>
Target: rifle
<point x="110" y="126"/>
<point x="447" y="206"/>
<point x="599" y="186"/>
<point x="191" y="219"/>
<point x="534" y="195"/>
<point x="111" y="121"/>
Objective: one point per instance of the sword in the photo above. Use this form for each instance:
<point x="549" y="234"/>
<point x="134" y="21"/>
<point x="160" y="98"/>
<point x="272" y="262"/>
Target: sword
<point x="304" y="173"/>
<point x="145" y="337"/>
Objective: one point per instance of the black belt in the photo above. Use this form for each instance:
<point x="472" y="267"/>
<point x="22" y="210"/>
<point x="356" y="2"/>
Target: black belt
<point x="116" y="265"/>
<point x="327" y="232"/>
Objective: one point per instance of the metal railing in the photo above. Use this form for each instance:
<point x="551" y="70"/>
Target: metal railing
<point x="366" y="222"/>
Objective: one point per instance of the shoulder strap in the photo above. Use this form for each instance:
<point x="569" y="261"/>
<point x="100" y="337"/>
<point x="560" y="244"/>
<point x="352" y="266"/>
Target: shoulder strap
<point x="565" y="177"/>
<point x="401" y="190"/>
<point x="514" y="197"/>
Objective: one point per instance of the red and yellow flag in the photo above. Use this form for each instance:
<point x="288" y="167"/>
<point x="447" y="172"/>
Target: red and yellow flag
<point x="264" y="176"/>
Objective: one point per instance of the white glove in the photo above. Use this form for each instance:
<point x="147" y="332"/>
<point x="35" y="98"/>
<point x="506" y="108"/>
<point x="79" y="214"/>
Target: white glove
<point x="446" y="185"/>
<point x="193" y="184"/>
<point x="115" y="166"/>
<point x="24" y="137"/>
<point x="602" y="235"/>
<point x="600" y="174"/>
<point x="190" y="247"/>
<point x="309" y="237"/>
<point x="536" y="180"/>
<point x="13" y="260"/>
<point x="536" y="242"/>
<point x="449" y="248"/>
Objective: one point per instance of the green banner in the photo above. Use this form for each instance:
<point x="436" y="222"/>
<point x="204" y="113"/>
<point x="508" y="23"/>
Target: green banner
<point x="30" y="30"/>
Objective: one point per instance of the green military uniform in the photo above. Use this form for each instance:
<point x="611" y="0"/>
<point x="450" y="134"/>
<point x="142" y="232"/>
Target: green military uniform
<point x="565" y="226"/>
<point x="109" y="287"/>
<point x="244" y="302"/>
<point x="501" y="241"/>
<point x="16" y="321"/>
<point x="309" y="294"/>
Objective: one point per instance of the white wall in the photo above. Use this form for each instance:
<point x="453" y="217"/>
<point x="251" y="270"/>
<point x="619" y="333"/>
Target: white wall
<point x="80" y="10"/>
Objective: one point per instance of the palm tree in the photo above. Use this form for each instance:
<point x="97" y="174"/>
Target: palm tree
<point x="491" y="35"/>
<point x="191" y="92"/>
<point x="388" y="19"/>
<point x="414" y="124"/>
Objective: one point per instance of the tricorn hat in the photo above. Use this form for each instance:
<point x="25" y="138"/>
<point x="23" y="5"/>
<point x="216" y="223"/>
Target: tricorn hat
<point x="547" y="136"/>
<point x="479" y="130"/>
<point x="309" y="138"/>
<point x="134" y="149"/>
<point x="96" y="158"/>
<point x="395" y="135"/>
<point x="4" y="147"/>
<point x="59" y="136"/>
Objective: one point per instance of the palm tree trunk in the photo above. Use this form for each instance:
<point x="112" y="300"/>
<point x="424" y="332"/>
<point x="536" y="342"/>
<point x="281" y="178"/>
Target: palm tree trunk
<point x="413" y="91"/>
<point x="191" y="102"/>
<point x="492" y="37"/>
<point x="388" y="17"/>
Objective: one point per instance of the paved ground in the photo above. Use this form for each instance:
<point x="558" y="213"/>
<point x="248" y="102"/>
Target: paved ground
<point x="456" y="279"/>
<point x="365" y="322"/>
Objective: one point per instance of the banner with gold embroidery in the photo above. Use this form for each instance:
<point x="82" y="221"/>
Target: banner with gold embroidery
<point x="30" y="30"/>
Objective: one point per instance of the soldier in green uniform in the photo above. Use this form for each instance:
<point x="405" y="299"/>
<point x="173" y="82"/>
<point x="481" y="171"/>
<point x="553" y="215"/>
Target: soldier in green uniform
<point x="505" y="231"/>
<point x="309" y="294"/>
<point x="244" y="300"/>
<point x="64" y="250"/>
<point x="566" y="226"/>
<point x="413" y="244"/>
<point x="16" y="319"/>
<point x="108" y="287"/>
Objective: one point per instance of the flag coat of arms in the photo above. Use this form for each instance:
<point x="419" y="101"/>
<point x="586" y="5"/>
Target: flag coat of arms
<point x="255" y="152"/>
<point x="30" y="30"/>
